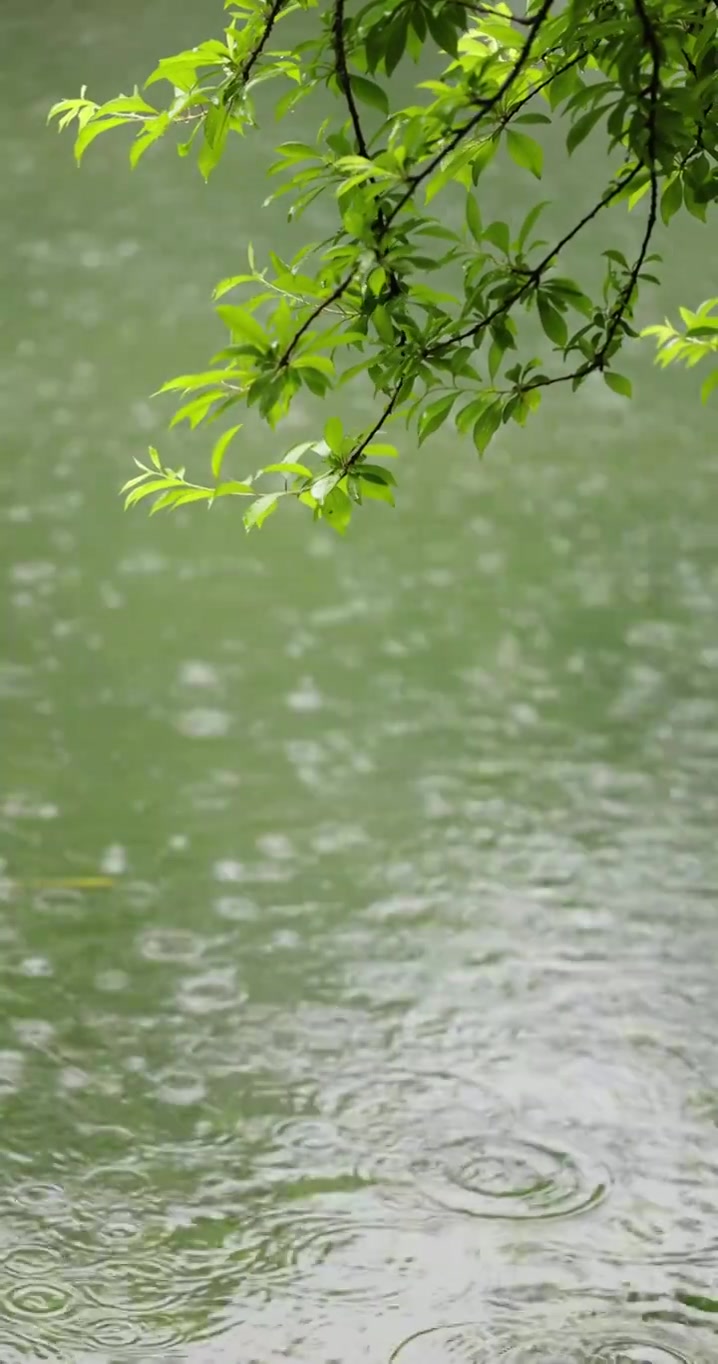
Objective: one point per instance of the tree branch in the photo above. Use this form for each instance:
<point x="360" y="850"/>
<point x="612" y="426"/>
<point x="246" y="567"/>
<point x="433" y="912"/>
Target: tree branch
<point x="535" y="275"/>
<point x="245" y="71"/>
<point x="356" y="454"/>
<point x="340" y="58"/>
<point x="654" y="93"/>
<point x="316" y="312"/>
<point x="271" y="19"/>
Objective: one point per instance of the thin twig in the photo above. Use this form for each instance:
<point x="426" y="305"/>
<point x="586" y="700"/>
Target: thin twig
<point x="239" y="80"/>
<point x="321" y="307"/>
<point x="356" y="454"/>
<point x="271" y="19"/>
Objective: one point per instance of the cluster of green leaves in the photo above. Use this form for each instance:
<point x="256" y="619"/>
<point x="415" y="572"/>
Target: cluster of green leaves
<point x="698" y="341"/>
<point x="360" y="306"/>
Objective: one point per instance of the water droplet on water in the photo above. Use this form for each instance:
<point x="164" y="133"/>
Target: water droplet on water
<point x="203" y="723"/>
<point x="114" y="860"/>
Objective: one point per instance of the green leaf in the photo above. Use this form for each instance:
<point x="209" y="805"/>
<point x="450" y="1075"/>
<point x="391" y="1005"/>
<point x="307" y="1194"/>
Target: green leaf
<point x="552" y="322"/>
<point x="220" y="448"/>
<point x="525" y="151"/>
<point x="582" y="127"/>
<point x="497" y="350"/>
<point x="180" y="71"/>
<point x="377" y="280"/>
<point x="435" y="415"/>
<point x="153" y="485"/>
<point x="323" y="486"/>
<point x="182" y="495"/>
<point x="530" y="221"/>
<point x="708" y="385"/>
<point x="498" y="234"/>
<point x="469" y="414"/>
<point x="198" y="409"/>
<point x="188" y="383"/>
<point x="383" y="323"/>
<point x="473" y="217"/>
<point x="671" y="199"/>
<point x="618" y="382"/>
<point x="487" y="426"/>
<point x="703" y="331"/>
<point x="370" y="93"/>
<point x="637" y="194"/>
<point x="231" y="282"/>
<point x="133" y="482"/>
<point x="297" y="451"/>
<point x="389" y="451"/>
<point x="394" y="42"/>
<point x="563" y="86"/>
<point x="483" y="153"/>
<point x="154" y="129"/>
<point x="334" y="436"/>
<point x="287" y="466"/>
<point x="166" y="501"/>
<point x="376" y="473"/>
<point x="441" y="29"/>
<point x="234" y="489"/>
<point x="380" y="492"/>
<point x="216" y="127"/>
<point x="696" y="207"/>
<point x="258" y="511"/>
<point x="336" y="510"/>
<point x="321" y="363"/>
<point x="242" y="323"/>
<point x="92" y="130"/>
<point x="127" y="104"/>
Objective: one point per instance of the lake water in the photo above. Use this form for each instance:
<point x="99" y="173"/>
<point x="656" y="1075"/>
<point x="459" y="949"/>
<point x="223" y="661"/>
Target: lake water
<point x="395" y="1037"/>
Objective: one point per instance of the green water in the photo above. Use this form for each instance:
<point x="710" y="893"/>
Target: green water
<point x="396" y="1036"/>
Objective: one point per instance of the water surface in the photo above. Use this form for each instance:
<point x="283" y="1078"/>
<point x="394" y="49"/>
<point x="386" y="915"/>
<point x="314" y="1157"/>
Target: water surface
<point x="394" y="1038"/>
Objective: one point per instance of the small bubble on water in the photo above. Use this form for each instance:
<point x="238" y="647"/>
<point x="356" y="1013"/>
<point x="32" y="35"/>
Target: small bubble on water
<point x="306" y="697"/>
<point x="114" y="860"/>
<point x="202" y="723"/>
<point x="112" y="981"/>
<point x="195" y="673"/>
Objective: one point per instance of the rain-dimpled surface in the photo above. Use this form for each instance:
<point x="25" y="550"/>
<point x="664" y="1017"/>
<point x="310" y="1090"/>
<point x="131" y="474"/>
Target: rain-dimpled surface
<point x="393" y="1034"/>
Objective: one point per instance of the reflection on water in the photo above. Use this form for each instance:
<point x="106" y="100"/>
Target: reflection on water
<point x="400" y="1008"/>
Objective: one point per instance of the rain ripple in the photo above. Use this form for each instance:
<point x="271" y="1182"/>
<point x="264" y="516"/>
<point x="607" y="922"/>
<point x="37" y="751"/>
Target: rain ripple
<point x="486" y="1175"/>
<point x="472" y="1343"/>
<point x="457" y="1147"/>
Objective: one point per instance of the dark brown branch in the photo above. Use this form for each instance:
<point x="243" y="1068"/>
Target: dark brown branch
<point x="654" y="93"/>
<point x="345" y="85"/>
<point x="356" y="454"/>
<point x="242" y="76"/>
<point x="316" y="312"/>
<point x="271" y="19"/>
